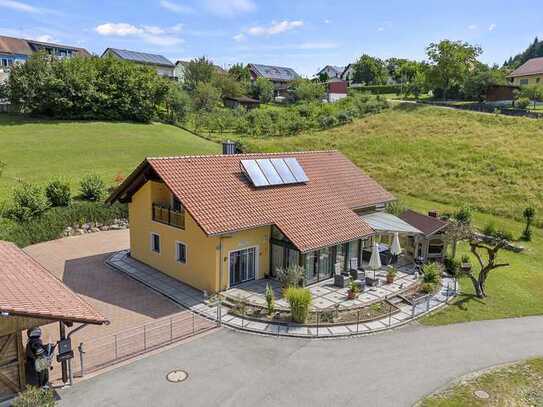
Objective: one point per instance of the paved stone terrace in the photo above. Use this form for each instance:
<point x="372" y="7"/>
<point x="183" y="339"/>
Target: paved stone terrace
<point x="325" y="295"/>
<point x="194" y="300"/>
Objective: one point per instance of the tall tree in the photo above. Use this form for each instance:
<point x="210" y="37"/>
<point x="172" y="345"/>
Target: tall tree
<point x="450" y="61"/>
<point x="478" y="80"/>
<point x="198" y="70"/>
<point x="369" y="70"/>
<point x="240" y="73"/>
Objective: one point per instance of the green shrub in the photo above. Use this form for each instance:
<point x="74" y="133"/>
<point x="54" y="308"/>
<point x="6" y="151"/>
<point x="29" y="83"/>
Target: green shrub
<point x="58" y="193"/>
<point x="52" y="223"/>
<point x="326" y="121"/>
<point x="463" y="215"/>
<point x="451" y="265"/>
<point x="490" y="229"/>
<point x="290" y="276"/>
<point x="92" y="188"/>
<point x="431" y="273"/>
<point x="270" y="299"/>
<point x="522" y="103"/>
<point x="28" y="202"/>
<point x="465" y="259"/>
<point x="344" y="117"/>
<point x="396" y="208"/>
<point x="428" y="288"/>
<point x="299" y="300"/>
<point x="504" y="234"/>
<point x="35" y="397"/>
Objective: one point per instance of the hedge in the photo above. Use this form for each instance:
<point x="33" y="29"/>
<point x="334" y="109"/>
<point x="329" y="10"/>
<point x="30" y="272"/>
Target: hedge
<point x="378" y="89"/>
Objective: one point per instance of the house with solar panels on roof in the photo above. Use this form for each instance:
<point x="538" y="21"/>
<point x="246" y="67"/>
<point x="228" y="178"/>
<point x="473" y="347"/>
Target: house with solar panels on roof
<point x="218" y="221"/>
<point x="280" y="76"/>
<point x="162" y="65"/>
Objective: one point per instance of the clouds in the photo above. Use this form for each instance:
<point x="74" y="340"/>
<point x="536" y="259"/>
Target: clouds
<point x="151" y="34"/>
<point x="275" y="28"/>
<point x="229" y="8"/>
<point x="492" y="27"/>
<point x="176" y="7"/>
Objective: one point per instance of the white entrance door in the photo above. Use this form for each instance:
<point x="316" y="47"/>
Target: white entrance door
<point x="242" y="265"/>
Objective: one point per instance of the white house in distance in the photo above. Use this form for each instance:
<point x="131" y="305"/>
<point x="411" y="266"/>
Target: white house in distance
<point x="162" y="65"/>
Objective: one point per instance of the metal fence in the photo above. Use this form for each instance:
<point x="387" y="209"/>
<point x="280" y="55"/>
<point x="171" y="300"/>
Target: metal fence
<point x="321" y="326"/>
<point x="105" y="351"/>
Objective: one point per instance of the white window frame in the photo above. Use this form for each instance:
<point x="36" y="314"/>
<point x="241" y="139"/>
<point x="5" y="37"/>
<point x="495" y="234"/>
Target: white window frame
<point x="177" y="243"/>
<point x="152" y="241"/>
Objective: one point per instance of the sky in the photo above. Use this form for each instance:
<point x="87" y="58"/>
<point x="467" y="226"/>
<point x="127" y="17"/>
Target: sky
<point x="302" y="34"/>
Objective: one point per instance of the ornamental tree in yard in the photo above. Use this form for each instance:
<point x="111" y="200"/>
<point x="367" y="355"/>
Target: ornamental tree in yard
<point x="486" y="265"/>
<point x="450" y="62"/>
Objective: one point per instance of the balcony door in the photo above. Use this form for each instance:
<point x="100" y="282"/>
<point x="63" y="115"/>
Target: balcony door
<point x="242" y="265"/>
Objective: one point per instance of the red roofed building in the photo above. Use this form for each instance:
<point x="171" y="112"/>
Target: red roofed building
<point x="529" y="73"/>
<point x="216" y="221"/>
<point x="30" y="296"/>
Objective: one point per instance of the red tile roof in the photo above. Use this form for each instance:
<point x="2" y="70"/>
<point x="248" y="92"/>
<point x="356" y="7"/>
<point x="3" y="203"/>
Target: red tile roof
<point x="533" y="66"/>
<point x="316" y="214"/>
<point x="28" y="289"/>
<point x="426" y="224"/>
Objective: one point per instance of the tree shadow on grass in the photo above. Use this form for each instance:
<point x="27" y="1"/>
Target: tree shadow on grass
<point x="464" y="299"/>
<point x="409" y="107"/>
<point x="15" y="119"/>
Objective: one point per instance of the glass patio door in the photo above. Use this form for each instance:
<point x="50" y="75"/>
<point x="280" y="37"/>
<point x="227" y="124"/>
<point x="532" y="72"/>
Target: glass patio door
<point x="242" y="266"/>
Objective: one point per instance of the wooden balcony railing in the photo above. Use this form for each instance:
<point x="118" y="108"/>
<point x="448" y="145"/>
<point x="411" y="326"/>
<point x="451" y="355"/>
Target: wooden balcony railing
<point x="168" y="216"/>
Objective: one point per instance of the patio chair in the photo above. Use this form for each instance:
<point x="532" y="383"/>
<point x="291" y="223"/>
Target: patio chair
<point x="341" y="280"/>
<point x="356" y="274"/>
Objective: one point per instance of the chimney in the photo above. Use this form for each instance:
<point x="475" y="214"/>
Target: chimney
<point x="433" y="213"/>
<point x="228" y="147"/>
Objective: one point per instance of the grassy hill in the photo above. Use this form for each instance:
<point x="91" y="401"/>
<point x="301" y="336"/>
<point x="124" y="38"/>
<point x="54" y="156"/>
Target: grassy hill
<point x="493" y="163"/>
<point x="36" y="151"/>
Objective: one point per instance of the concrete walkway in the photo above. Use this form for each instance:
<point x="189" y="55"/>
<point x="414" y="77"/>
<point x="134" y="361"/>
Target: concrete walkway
<point x="395" y="368"/>
<point x="194" y="300"/>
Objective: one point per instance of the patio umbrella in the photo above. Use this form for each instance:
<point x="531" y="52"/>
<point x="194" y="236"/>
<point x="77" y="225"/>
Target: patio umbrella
<point x="395" y="249"/>
<point x="375" y="259"/>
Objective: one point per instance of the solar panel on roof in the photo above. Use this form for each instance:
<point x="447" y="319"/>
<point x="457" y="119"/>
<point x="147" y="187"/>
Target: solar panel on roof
<point x="269" y="172"/>
<point x="284" y="172"/>
<point x="276" y="171"/>
<point x="253" y="171"/>
<point x="296" y="169"/>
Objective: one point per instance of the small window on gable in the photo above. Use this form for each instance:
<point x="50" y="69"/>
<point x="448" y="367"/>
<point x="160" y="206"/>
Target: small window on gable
<point x="181" y="252"/>
<point x="155" y="242"/>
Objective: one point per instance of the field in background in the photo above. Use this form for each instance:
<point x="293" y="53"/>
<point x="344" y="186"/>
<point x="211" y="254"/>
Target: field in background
<point x="37" y="150"/>
<point x="493" y="163"/>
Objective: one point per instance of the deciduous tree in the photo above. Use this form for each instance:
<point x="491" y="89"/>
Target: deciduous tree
<point x="369" y="70"/>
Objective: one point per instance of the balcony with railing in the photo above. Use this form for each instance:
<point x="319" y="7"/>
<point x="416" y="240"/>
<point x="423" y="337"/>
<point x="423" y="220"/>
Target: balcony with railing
<point x="168" y="216"/>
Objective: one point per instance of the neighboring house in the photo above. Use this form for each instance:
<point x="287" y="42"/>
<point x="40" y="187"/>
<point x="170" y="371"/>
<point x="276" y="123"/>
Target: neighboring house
<point x="162" y="65"/>
<point x="332" y="71"/>
<point x="243" y="101"/>
<point x="281" y="77"/>
<point x="30" y="296"/>
<point x="347" y="74"/>
<point x="529" y="73"/>
<point x="18" y="50"/>
<point x="179" y="70"/>
<point x="217" y="221"/>
<point x="336" y="89"/>
<point x="432" y="245"/>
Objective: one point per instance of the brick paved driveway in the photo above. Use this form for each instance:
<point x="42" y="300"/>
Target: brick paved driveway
<point x="79" y="263"/>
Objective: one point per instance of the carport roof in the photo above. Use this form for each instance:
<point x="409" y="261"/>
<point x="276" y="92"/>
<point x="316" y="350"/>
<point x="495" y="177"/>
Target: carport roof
<point x="27" y="289"/>
<point x="386" y="222"/>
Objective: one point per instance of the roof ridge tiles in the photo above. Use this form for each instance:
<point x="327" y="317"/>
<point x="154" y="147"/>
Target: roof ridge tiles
<point x="240" y="155"/>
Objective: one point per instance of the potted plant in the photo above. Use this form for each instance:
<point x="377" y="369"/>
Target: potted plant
<point x="353" y="291"/>
<point x="465" y="263"/>
<point x="391" y="275"/>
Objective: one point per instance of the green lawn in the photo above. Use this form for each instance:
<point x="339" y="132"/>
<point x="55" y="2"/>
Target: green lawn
<point x="514" y="291"/>
<point x="494" y="163"/>
<point x="37" y="150"/>
<point x="519" y="385"/>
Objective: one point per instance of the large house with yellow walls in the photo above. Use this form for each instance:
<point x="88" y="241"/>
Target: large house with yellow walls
<point x="220" y="220"/>
<point x="529" y="73"/>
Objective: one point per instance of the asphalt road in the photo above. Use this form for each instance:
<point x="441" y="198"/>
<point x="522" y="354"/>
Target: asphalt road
<point x="235" y="369"/>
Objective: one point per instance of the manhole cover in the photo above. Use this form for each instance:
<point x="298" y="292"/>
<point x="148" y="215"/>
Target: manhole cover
<point x="481" y="394"/>
<point x="177" y="376"/>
